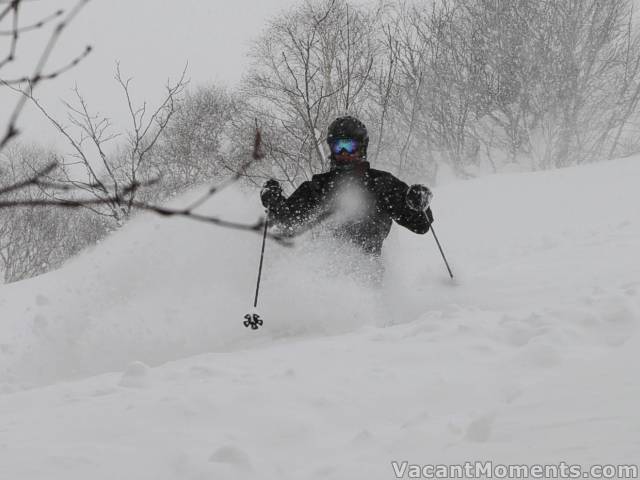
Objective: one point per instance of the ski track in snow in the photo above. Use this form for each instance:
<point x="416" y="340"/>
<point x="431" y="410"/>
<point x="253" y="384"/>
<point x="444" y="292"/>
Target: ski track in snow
<point x="132" y="361"/>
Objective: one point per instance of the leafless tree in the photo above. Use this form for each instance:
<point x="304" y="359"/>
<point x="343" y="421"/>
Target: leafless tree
<point x="41" y="178"/>
<point x="545" y="82"/>
<point x="114" y="190"/>
<point x="196" y="144"/>
<point x="601" y="67"/>
<point x="11" y="14"/>
<point x="383" y="82"/>
<point x="312" y="64"/>
<point x="91" y="168"/>
<point x="561" y="74"/>
<point x="35" y="239"/>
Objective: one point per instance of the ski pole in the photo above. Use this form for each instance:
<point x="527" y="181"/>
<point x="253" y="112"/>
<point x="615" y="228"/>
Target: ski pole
<point x="253" y="320"/>
<point x="264" y="242"/>
<point x="441" y="251"/>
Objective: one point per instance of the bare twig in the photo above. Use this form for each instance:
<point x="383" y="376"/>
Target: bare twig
<point x="52" y="75"/>
<point x="34" y="180"/>
<point x="37" y="76"/>
<point x="14" y="33"/>
<point x="35" y="26"/>
<point x="164" y="211"/>
<point x="128" y="192"/>
<point x="256" y="155"/>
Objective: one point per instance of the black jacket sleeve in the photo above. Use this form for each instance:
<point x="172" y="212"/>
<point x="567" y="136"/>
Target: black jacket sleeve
<point x="297" y="210"/>
<point x="395" y="194"/>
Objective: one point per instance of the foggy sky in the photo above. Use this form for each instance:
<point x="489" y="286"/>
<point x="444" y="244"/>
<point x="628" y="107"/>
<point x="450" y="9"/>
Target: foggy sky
<point x="152" y="39"/>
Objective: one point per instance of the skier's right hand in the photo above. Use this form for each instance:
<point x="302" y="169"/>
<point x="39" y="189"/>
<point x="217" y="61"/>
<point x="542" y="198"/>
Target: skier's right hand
<point x="270" y="193"/>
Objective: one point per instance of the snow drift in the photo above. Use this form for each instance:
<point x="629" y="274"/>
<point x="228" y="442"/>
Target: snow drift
<point x="528" y="357"/>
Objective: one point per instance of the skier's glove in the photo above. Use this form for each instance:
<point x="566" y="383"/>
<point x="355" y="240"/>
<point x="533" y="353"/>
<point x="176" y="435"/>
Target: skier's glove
<point x="270" y="193"/>
<point x="418" y="198"/>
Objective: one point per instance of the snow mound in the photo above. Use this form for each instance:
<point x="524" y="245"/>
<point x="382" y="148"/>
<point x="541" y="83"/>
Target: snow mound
<point x="528" y="359"/>
<point x="542" y="261"/>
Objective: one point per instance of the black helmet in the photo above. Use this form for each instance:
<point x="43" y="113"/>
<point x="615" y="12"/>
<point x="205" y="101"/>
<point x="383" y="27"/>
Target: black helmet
<point x="349" y="127"/>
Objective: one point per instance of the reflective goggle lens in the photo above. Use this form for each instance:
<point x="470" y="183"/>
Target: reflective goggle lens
<point x="349" y="145"/>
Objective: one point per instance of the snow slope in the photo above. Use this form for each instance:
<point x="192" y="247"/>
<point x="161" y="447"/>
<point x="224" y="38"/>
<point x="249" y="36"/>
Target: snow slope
<point x="132" y="363"/>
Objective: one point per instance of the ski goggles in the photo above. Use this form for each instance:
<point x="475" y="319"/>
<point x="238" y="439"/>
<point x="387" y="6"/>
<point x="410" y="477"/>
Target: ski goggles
<point x="349" y="145"/>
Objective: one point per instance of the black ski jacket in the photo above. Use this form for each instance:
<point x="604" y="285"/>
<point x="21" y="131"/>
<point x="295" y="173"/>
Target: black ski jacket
<point x="357" y="205"/>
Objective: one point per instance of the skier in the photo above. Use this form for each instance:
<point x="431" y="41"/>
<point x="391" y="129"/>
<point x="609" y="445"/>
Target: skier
<point x="354" y="202"/>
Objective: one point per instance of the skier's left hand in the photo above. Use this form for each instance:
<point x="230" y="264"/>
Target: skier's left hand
<point x="418" y="198"/>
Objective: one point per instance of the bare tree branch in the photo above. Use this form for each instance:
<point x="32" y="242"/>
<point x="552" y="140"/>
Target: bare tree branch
<point x="52" y="75"/>
<point x="37" y="76"/>
<point x="35" y="26"/>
